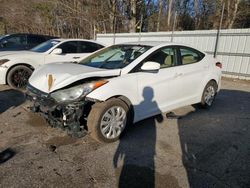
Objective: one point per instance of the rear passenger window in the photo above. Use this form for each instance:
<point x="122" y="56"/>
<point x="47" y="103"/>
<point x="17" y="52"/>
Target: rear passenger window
<point x="189" y="56"/>
<point x="69" y="47"/>
<point x="88" y="47"/>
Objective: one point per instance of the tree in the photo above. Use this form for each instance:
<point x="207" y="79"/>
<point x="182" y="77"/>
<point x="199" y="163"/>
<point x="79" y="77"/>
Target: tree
<point x="82" y="18"/>
<point x="169" y="8"/>
<point x="160" y="7"/>
<point x="242" y="19"/>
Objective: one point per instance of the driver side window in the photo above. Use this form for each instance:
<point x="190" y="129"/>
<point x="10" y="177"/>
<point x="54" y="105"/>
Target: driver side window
<point x="166" y="57"/>
<point x="69" y="47"/>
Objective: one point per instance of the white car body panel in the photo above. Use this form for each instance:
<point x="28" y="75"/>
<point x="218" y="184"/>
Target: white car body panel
<point x="65" y="74"/>
<point x="125" y="85"/>
<point x="4" y="53"/>
<point x="165" y="90"/>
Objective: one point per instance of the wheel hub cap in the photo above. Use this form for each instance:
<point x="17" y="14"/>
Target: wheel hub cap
<point x="209" y="95"/>
<point x="113" y="122"/>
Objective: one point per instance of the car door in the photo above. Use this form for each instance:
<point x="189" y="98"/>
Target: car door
<point x="69" y="52"/>
<point x="158" y="91"/>
<point x="190" y="72"/>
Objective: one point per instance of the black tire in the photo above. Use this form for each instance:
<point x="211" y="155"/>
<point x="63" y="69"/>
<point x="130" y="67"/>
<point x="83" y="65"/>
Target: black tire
<point x="96" y="115"/>
<point x="206" y="101"/>
<point x="18" y="76"/>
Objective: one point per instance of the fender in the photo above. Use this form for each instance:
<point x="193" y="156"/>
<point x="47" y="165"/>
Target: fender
<point x="124" y="87"/>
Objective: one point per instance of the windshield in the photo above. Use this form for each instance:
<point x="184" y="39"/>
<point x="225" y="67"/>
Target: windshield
<point x="44" y="47"/>
<point x="115" y="57"/>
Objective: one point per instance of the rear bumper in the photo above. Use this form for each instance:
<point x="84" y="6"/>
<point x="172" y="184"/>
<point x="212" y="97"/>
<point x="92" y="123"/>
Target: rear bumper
<point x="3" y="72"/>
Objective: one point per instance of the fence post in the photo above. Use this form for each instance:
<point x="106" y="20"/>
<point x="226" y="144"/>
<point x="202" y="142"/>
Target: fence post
<point x="218" y="31"/>
<point x="94" y="32"/>
<point x="114" y="38"/>
<point x="114" y="30"/>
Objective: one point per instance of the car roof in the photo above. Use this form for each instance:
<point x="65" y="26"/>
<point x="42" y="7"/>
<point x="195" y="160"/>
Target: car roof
<point x="151" y="43"/>
<point x="85" y="40"/>
<point x="160" y="43"/>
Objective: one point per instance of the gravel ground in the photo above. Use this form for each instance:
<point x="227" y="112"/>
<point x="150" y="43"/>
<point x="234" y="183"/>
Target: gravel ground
<point x="197" y="148"/>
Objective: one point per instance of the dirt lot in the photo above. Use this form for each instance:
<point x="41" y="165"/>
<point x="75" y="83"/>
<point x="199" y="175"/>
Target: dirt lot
<point x="199" y="148"/>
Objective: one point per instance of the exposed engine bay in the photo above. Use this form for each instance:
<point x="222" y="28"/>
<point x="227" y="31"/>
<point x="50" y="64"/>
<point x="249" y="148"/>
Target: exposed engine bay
<point x="70" y="116"/>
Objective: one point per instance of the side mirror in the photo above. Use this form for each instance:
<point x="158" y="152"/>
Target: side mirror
<point x="57" y="51"/>
<point x="151" y="66"/>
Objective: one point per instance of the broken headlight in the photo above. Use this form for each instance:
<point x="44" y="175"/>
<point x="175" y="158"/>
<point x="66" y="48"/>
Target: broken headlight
<point x="76" y="92"/>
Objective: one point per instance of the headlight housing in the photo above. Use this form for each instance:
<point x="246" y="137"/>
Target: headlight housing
<point x="76" y="92"/>
<point x="2" y="61"/>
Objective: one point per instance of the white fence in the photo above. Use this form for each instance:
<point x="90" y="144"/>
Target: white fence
<point x="233" y="47"/>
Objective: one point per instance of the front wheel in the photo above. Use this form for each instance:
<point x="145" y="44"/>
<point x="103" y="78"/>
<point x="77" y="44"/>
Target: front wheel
<point x="18" y="76"/>
<point x="209" y="94"/>
<point x="107" y="120"/>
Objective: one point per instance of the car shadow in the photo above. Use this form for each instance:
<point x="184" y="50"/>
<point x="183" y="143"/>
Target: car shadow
<point x="137" y="150"/>
<point x="215" y="143"/>
<point x="10" y="98"/>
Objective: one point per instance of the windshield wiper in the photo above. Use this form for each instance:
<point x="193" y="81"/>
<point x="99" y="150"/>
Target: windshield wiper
<point x="106" y="60"/>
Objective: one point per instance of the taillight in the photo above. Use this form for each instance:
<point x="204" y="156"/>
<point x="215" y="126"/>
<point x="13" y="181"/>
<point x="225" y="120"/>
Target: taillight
<point x="218" y="64"/>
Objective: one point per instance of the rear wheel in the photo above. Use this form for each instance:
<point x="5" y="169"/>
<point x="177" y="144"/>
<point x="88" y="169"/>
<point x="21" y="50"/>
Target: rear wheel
<point x="18" y="76"/>
<point x="107" y="120"/>
<point x="209" y="94"/>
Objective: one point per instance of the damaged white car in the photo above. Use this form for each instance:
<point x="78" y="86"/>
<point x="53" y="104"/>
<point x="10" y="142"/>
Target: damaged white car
<point x="122" y="84"/>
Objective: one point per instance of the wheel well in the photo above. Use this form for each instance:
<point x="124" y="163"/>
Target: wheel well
<point x="89" y="105"/>
<point x="24" y="64"/>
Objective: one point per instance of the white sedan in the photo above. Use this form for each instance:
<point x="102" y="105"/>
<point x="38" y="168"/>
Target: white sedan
<point x="123" y="84"/>
<point x="16" y="67"/>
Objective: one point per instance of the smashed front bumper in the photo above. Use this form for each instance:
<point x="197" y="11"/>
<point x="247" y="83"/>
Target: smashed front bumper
<point x="68" y="116"/>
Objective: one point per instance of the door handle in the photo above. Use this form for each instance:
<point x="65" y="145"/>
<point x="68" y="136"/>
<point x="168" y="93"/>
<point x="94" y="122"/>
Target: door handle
<point x="76" y="57"/>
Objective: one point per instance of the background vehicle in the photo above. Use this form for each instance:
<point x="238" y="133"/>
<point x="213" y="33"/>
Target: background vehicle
<point x="15" y="69"/>
<point x="21" y="41"/>
<point x="123" y="84"/>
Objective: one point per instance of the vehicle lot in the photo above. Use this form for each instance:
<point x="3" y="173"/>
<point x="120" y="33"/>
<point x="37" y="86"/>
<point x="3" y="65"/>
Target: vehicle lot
<point x="197" y="148"/>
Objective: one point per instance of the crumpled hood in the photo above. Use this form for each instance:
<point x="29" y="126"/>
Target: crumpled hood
<point x="54" y="76"/>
